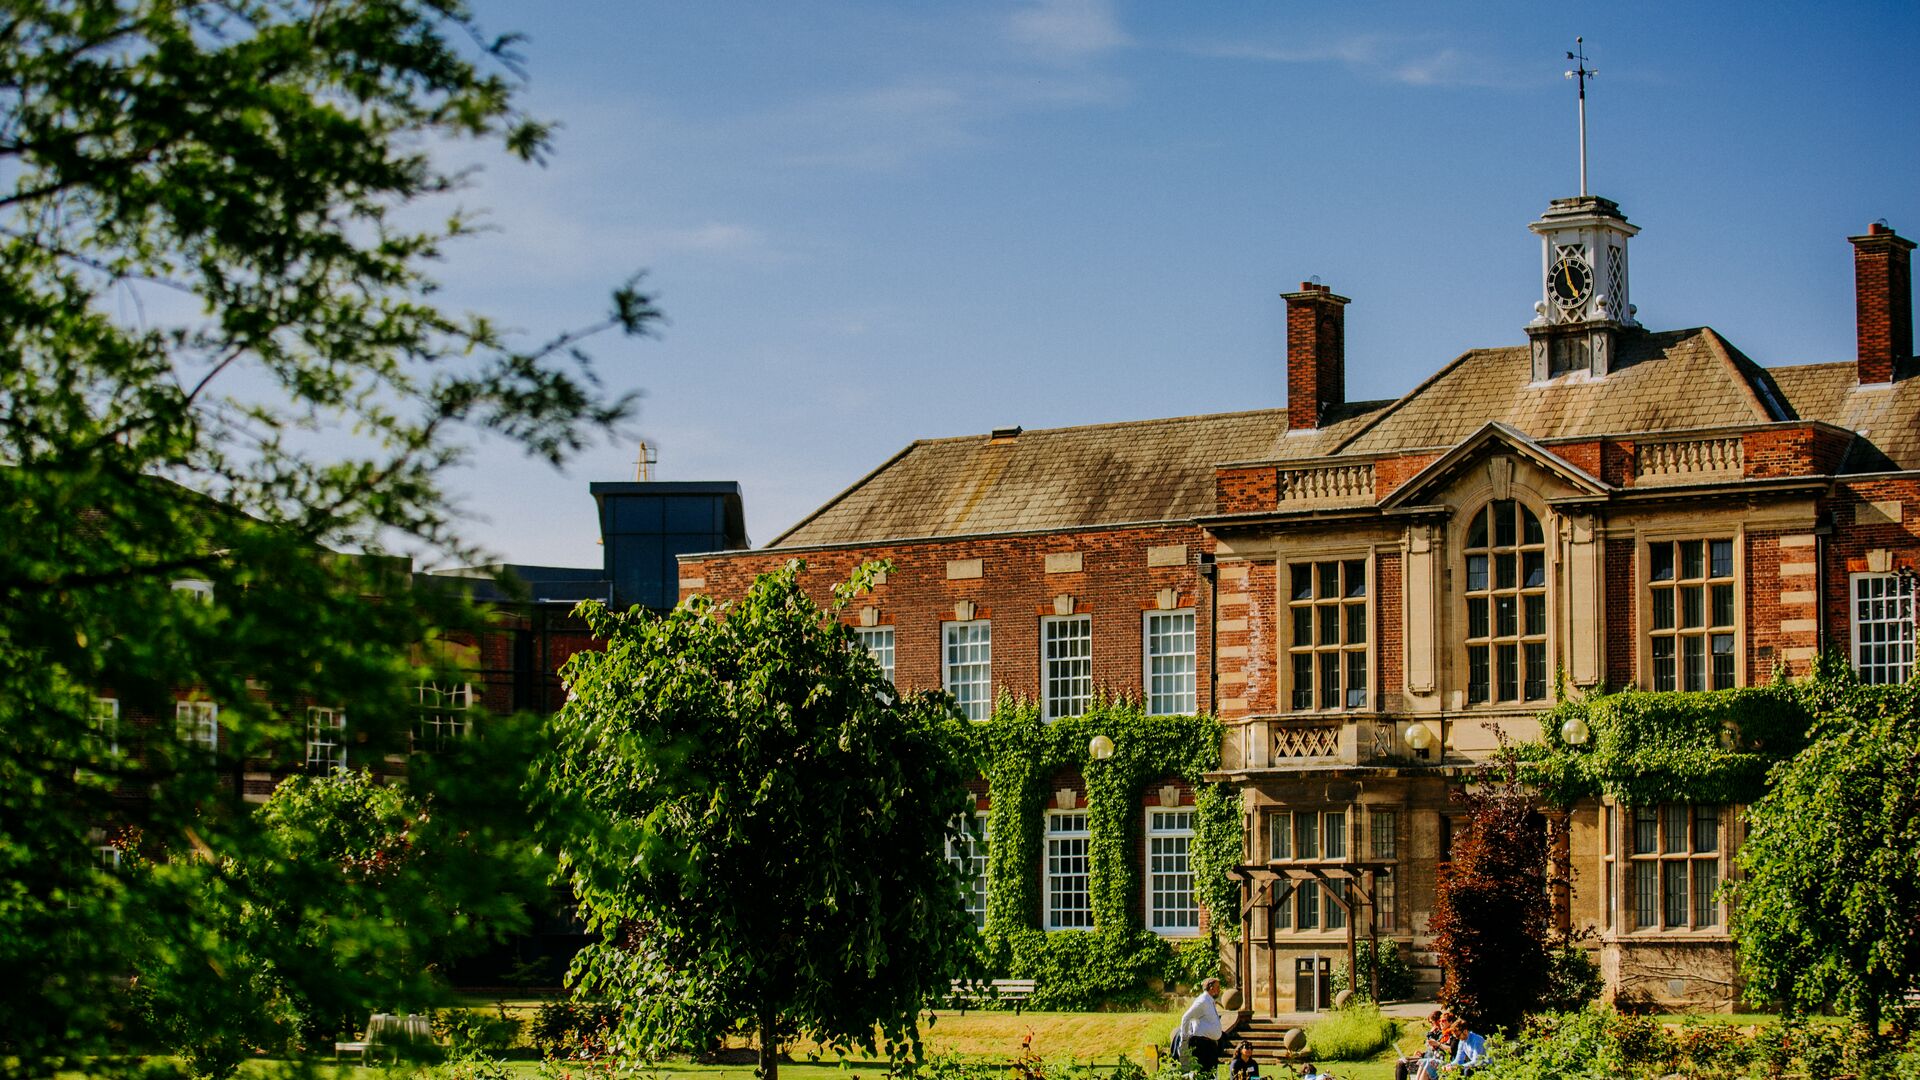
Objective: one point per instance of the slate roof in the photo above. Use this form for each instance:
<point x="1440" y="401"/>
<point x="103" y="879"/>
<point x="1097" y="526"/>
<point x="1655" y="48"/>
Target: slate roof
<point x="1888" y="415"/>
<point x="1057" y="478"/>
<point x="1669" y="381"/>
<point x="1163" y="470"/>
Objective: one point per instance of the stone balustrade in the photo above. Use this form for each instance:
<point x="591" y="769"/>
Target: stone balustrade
<point x="1326" y="485"/>
<point x="1684" y="460"/>
<point x="1278" y="742"/>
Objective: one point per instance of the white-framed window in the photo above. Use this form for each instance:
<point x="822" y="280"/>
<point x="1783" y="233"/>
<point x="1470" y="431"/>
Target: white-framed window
<point x="1066" y="646"/>
<point x="197" y="723"/>
<point x="966" y="669"/>
<point x="103" y="726"/>
<point x="1172" y="907"/>
<point x="445" y="715"/>
<point x="194" y="590"/>
<point x="1069" y="894"/>
<point x="326" y="740"/>
<point x="106" y="854"/>
<point x="878" y="641"/>
<point x="1506" y="590"/>
<point x="970" y="858"/>
<point x="1690" y="589"/>
<point x="1673" y="866"/>
<point x="1882" y="619"/>
<point x="1327" y="650"/>
<point x="1170" y="666"/>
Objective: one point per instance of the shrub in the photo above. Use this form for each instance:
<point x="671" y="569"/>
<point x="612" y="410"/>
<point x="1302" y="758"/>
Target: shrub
<point x="1573" y="979"/>
<point x="572" y="1028"/>
<point x="1086" y="969"/>
<point x="470" y="1031"/>
<point x="1396" y="976"/>
<point x="1351" y="1034"/>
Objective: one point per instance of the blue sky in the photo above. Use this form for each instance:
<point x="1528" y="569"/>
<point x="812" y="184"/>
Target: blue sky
<point x="870" y="223"/>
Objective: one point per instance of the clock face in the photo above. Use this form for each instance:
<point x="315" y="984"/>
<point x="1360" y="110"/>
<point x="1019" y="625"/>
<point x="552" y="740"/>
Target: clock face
<point x="1570" y="282"/>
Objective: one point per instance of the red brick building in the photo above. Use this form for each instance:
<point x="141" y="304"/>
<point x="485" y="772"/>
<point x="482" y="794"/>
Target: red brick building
<point x="1365" y="592"/>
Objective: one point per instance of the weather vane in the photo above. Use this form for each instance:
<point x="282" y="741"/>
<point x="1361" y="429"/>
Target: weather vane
<point x="1582" y="73"/>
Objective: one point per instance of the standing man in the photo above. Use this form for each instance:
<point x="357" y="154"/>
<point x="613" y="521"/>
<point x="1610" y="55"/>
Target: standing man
<point x="1201" y="1025"/>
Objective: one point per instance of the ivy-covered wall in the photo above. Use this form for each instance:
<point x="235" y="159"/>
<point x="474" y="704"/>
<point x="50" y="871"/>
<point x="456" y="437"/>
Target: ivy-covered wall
<point x="1653" y="747"/>
<point x="1120" y="961"/>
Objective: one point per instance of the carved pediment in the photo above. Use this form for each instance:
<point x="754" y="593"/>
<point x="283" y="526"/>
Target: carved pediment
<point x="1493" y="451"/>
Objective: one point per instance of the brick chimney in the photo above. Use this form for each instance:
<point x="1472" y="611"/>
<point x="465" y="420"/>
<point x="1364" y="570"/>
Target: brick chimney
<point x="1316" y="354"/>
<point x="1883" y="302"/>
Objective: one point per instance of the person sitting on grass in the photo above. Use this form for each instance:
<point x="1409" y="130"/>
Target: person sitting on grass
<point x="1309" y="1071"/>
<point x="1470" y="1054"/>
<point x="1243" y="1067"/>
<point x="1426" y="1064"/>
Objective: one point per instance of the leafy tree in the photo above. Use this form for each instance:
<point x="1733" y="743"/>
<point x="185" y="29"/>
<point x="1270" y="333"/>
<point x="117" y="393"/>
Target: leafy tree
<point x="1491" y="911"/>
<point x="219" y="357"/>
<point x="356" y="895"/>
<point x="1828" y="913"/>
<point x="754" y="824"/>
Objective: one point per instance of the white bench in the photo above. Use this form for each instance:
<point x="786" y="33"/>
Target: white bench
<point x="388" y="1031"/>
<point x="973" y="992"/>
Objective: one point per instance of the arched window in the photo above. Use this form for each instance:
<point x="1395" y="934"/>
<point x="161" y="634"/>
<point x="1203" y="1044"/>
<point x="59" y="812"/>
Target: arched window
<point x="1506" y="605"/>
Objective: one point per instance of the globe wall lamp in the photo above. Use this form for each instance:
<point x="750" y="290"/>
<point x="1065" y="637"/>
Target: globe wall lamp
<point x="1575" y="732"/>
<point x="1100" y="748"/>
<point x="1420" y="737"/>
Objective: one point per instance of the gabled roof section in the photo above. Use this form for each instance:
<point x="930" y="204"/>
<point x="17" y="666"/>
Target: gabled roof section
<point x="1059" y="478"/>
<point x="1887" y="418"/>
<point x="1668" y="381"/>
<point x="1492" y="438"/>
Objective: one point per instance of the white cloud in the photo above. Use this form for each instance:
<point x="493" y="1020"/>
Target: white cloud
<point x="1067" y="29"/>
<point x="713" y="238"/>
<point x="1417" y="61"/>
<point x="891" y="126"/>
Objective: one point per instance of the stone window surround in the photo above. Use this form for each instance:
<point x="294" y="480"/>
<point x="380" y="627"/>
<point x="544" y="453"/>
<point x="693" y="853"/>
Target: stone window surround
<point x="1309" y="896"/>
<point x="1454" y="640"/>
<point x="1491" y="591"/>
<point x="1616" y="859"/>
<point x="1701" y="528"/>
<point x="1283" y="604"/>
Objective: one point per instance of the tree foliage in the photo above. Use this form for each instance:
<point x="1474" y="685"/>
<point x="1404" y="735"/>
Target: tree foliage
<point x="219" y="358"/>
<point x="1828" y="913"/>
<point x="354" y="899"/>
<point x="1491" y="913"/>
<point x="754" y="824"/>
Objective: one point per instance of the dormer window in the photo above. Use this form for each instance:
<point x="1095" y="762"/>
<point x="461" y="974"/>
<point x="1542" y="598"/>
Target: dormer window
<point x="1506" y="589"/>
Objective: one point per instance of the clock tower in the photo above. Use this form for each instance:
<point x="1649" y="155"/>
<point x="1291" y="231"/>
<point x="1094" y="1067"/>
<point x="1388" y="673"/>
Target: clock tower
<point x="1583" y="259"/>
<point x="1584" y="301"/>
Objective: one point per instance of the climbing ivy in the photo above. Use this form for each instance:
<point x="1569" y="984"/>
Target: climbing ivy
<point x="1020" y="755"/>
<point x="1648" y="747"/>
